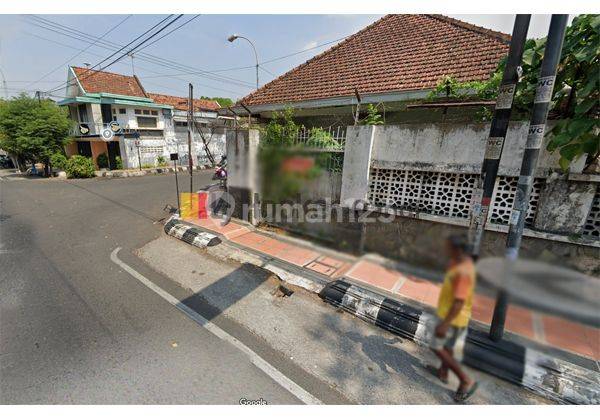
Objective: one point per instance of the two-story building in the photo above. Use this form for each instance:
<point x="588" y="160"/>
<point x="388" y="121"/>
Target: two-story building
<point x="138" y="126"/>
<point x="208" y="125"/>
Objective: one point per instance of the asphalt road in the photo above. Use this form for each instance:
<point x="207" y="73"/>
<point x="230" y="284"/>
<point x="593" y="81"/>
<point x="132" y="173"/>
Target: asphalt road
<point x="77" y="328"/>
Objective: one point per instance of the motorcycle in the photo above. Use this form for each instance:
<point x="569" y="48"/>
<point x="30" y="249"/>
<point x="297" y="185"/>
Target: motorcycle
<point x="221" y="171"/>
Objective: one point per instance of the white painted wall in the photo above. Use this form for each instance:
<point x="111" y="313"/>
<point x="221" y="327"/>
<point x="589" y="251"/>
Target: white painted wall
<point x="360" y="142"/>
<point x="454" y="147"/>
<point x="242" y="153"/>
<point x="129" y="119"/>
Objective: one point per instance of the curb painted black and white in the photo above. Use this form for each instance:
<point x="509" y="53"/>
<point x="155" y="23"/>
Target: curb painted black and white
<point x="550" y="377"/>
<point x="176" y="227"/>
<point x="193" y="236"/>
<point x="547" y="376"/>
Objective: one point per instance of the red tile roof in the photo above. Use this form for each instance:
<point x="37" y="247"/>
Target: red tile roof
<point x="394" y="54"/>
<point x="180" y="103"/>
<point x="96" y="81"/>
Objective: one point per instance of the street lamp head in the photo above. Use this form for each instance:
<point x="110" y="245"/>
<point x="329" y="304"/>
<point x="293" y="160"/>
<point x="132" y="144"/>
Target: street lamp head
<point x="232" y="38"/>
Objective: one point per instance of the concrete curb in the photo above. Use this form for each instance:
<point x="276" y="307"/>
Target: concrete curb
<point x="547" y="376"/>
<point x="190" y="234"/>
<point x="124" y="173"/>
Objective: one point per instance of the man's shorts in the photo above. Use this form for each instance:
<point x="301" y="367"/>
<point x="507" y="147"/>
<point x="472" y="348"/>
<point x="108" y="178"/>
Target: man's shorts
<point x="455" y="336"/>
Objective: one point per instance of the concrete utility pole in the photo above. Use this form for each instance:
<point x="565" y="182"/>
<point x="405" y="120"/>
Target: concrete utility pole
<point x="189" y="125"/>
<point x="4" y="85"/>
<point x="482" y="193"/>
<point x="535" y="137"/>
<point x="358" y="100"/>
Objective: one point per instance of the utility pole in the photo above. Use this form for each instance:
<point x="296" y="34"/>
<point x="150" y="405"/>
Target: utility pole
<point x="482" y="193"/>
<point x="358" y="100"/>
<point x="190" y="133"/>
<point x="4" y="85"/>
<point x="535" y="137"/>
<point x="132" y="65"/>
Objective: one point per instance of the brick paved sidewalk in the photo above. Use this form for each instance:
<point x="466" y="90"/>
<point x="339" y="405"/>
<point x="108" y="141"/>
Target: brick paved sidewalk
<point x="545" y="329"/>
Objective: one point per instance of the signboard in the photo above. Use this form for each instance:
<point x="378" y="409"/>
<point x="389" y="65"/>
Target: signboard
<point x="84" y="129"/>
<point x="115" y="127"/>
<point x="107" y="134"/>
<point x="174" y="156"/>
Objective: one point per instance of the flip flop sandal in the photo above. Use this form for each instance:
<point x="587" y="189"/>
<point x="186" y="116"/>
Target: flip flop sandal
<point x="435" y="372"/>
<point x="462" y="396"/>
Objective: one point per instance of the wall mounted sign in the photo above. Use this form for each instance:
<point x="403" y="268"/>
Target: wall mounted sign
<point x="107" y="134"/>
<point x="115" y="127"/>
<point x="84" y="129"/>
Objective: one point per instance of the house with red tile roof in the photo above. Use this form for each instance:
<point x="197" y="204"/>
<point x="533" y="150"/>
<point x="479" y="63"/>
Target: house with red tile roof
<point x="114" y="115"/>
<point x="396" y="59"/>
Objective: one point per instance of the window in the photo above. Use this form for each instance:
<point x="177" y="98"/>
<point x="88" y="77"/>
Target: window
<point x="122" y="111"/>
<point x="138" y="112"/>
<point x="154" y="112"/>
<point x="146" y="122"/>
<point x="83" y="115"/>
<point x="180" y="124"/>
<point x="146" y="112"/>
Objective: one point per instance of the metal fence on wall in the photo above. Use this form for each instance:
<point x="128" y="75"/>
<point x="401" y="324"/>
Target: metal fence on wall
<point x="327" y="144"/>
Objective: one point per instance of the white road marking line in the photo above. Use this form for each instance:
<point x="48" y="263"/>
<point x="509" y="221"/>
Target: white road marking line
<point x="259" y="362"/>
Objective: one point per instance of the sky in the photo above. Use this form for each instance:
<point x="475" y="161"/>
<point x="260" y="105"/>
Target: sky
<point x="29" y="53"/>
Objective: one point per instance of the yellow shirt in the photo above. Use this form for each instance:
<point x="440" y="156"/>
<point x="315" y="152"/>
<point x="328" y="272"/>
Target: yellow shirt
<point x="459" y="283"/>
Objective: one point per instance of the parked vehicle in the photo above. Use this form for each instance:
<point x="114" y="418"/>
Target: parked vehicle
<point x="221" y="171"/>
<point x="6" y="162"/>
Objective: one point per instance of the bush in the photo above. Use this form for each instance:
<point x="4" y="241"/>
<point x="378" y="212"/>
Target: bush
<point x="118" y="162"/>
<point x="102" y="161"/>
<point x="58" y="161"/>
<point x="80" y="167"/>
<point x="161" y="161"/>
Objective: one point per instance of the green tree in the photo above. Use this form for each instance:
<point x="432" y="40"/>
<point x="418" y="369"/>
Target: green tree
<point x="33" y="131"/>
<point x="223" y="102"/>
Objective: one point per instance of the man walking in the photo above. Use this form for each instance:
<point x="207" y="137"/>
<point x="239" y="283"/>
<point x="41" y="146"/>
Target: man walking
<point x="454" y="311"/>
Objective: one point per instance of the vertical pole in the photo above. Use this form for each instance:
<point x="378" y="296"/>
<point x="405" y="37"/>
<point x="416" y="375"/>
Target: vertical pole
<point x="139" y="156"/>
<point x="482" y="193"/>
<point x="358" y="100"/>
<point x="257" y="75"/>
<point x="535" y="137"/>
<point x="190" y="121"/>
<point x="177" y="188"/>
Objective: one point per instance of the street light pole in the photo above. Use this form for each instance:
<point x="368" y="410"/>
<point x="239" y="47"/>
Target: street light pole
<point x="535" y="137"/>
<point x="233" y="38"/>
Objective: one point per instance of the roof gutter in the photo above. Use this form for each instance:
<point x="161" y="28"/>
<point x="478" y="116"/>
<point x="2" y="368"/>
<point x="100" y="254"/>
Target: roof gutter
<point x="373" y="98"/>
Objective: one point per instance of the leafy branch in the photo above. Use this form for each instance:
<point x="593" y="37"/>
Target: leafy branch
<point x="575" y="101"/>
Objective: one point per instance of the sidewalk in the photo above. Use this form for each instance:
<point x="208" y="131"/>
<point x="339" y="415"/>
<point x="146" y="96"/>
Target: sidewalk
<point x="544" y="329"/>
